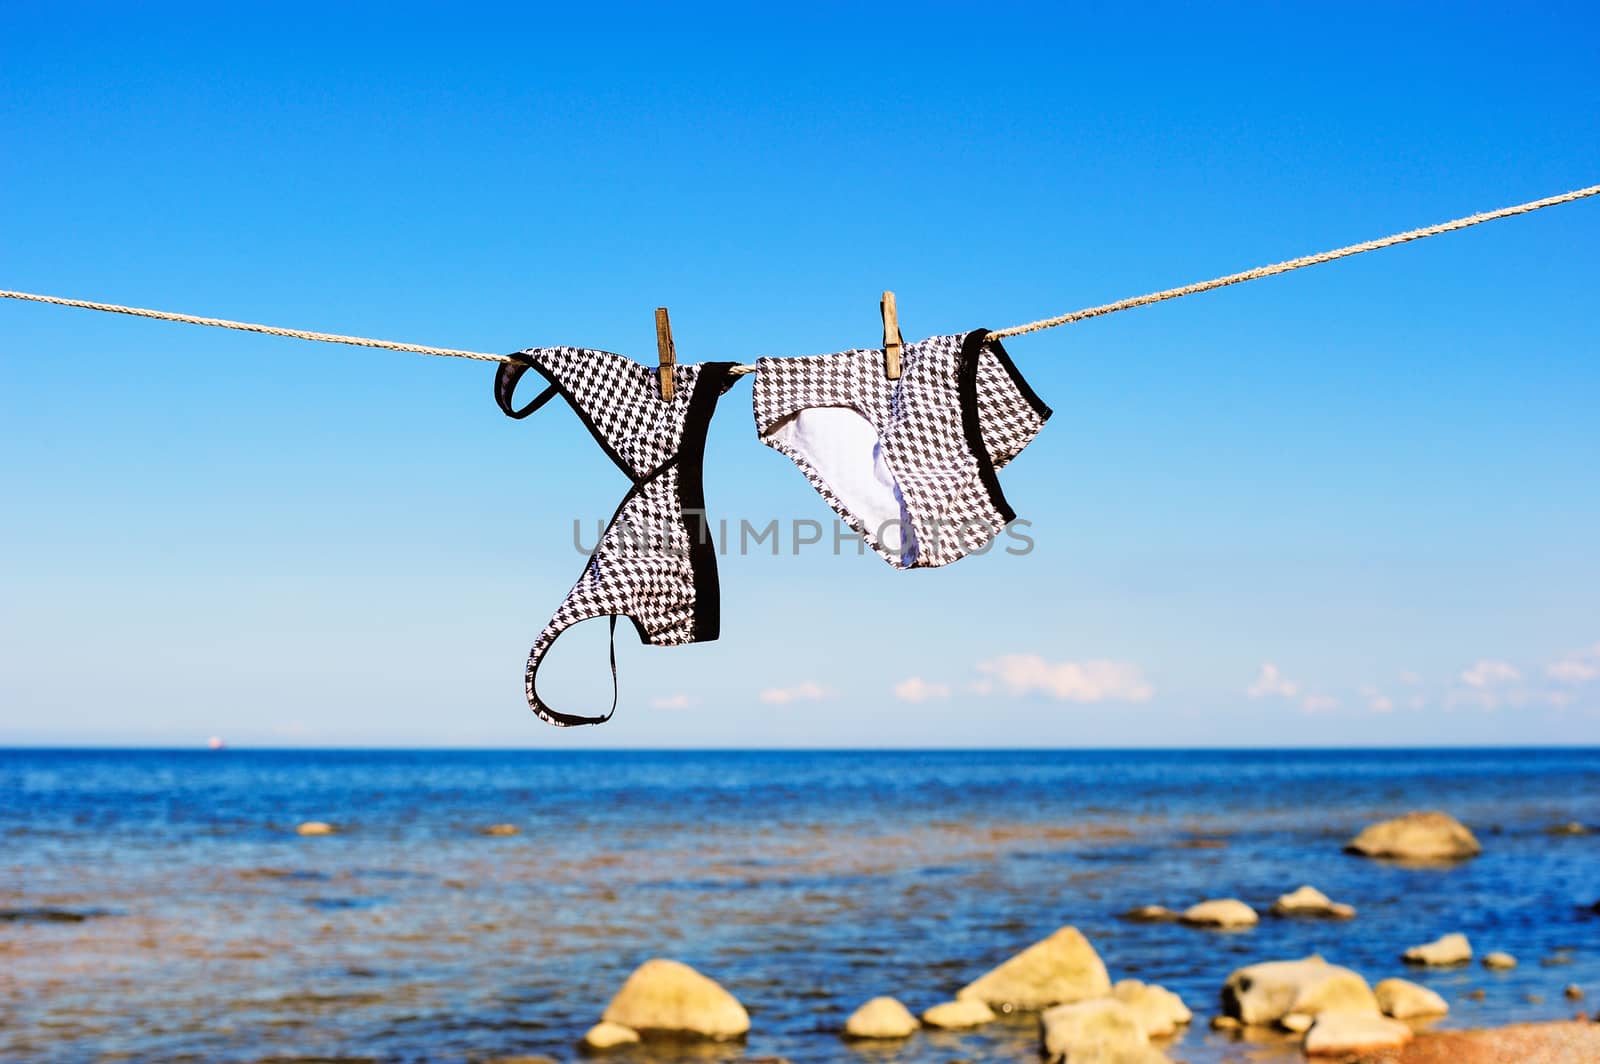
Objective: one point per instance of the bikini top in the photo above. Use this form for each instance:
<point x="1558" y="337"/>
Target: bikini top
<point x="655" y="563"/>
<point x="910" y="464"/>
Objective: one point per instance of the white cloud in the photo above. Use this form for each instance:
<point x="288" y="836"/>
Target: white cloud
<point x="804" y="692"/>
<point x="1485" y="674"/>
<point x="678" y="701"/>
<point x="1377" y="701"/>
<point x="1580" y="666"/>
<point x="1411" y="679"/>
<point x="1272" y="684"/>
<point x="981" y="687"/>
<point x="1319" y="703"/>
<point x="916" y="689"/>
<point x="1571" y="670"/>
<point x="1069" y="681"/>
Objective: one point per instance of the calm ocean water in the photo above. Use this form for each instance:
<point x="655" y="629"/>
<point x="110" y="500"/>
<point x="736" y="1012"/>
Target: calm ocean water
<point x="804" y="882"/>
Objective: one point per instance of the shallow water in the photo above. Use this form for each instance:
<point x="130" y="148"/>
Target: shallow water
<point x="804" y="882"/>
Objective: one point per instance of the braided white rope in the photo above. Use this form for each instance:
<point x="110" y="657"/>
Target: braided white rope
<point x="245" y="326"/>
<point x="1015" y="330"/>
<point x="1296" y="264"/>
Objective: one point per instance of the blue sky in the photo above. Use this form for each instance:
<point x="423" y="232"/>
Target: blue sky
<point x="1355" y="505"/>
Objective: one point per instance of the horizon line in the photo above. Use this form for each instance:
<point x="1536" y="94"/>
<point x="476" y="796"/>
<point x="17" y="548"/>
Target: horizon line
<point x="6" y="746"/>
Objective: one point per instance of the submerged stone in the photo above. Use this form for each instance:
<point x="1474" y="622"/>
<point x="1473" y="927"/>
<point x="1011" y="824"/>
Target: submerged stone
<point x="1443" y="952"/>
<point x="1265" y="993"/>
<point x="668" y="997"/>
<point x="1405" y="1000"/>
<point x="1220" y="913"/>
<point x="881" y="1017"/>
<point x="1423" y="837"/>
<point x="1060" y="969"/>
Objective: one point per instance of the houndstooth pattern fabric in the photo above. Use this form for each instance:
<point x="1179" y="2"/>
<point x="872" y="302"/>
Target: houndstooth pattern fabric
<point x="617" y="398"/>
<point x="959" y="412"/>
<point x="647" y="566"/>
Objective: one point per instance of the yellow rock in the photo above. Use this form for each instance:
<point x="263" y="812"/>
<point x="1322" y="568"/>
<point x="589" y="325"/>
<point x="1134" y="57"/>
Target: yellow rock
<point x="1309" y="901"/>
<point x="669" y="997"/>
<point x="1150" y="914"/>
<point x="1102" y="1029"/>
<point x="607" y="1035"/>
<point x="1060" y="969"/>
<point x="882" y="1017"/>
<point x="1159" y="1011"/>
<point x="955" y="1015"/>
<point x="1222" y="913"/>
<point x="1442" y="952"/>
<point x="315" y="827"/>
<point x="1343" y="1033"/>
<point x="1421" y="837"/>
<point x="1405" y="1000"/>
<point x="502" y="829"/>
<point x="1266" y="993"/>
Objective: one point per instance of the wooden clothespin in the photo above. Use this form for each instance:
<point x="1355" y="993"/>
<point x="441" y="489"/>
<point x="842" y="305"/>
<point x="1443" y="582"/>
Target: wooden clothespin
<point x="668" y="353"/>
<point x="892" y="342"/>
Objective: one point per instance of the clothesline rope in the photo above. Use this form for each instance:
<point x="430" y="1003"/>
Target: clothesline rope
<point x="1296" y="264"/>
<point x="1015" y="330"/>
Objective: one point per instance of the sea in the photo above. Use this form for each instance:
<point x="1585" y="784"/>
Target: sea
<point x="160" y="905"/>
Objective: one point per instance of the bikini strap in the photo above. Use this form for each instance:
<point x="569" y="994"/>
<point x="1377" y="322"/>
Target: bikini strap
<point x="505" y="386"/>
<point x="568" y="720"/>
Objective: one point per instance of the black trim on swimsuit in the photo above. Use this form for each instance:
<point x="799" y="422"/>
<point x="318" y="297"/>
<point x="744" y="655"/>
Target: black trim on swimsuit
<point x="1040" y="407"/>
<point x="505" y="386"/>
<point x="714" y="380"/>
<point x="967" y="393"/>
<point x="512" y="372"/>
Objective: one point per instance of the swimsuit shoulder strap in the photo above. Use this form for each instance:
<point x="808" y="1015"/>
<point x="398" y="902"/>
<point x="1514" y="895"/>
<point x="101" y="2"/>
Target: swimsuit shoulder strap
<point x="505" y="387"/>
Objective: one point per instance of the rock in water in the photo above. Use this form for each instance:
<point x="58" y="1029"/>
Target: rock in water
<point x="1573" y="992"/>
<point x="1102" y="1030"/>
<point x="502" y="830"/>
<point x="1061" y="969"/>
<point x="882" y="1017"/>
<point x="1309" y="901"/>
<point x="1442" y="952"/>
<point x="1341" y="1033"/>
<point x="667" y="997"/>
<point x="1298" y="1022"/>
<point x="607" y="1035"/>
<point x="1150" y="914"/>
<point x="315" y="827"/>
<point x="1266" y="993"/>
<point x="1499" y="961"/>
<point x="1405" y="1000"/>
<point x="1159" y="1011"/>
<point x="1416" y="837"/>
<point x="1222" y="913"/>
<point x="955" y="1015"/>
